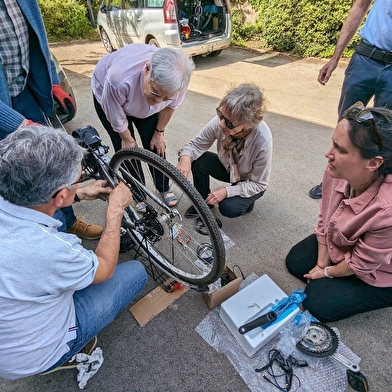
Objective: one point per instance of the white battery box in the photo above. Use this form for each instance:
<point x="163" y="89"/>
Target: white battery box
<point x="255" y="299"/>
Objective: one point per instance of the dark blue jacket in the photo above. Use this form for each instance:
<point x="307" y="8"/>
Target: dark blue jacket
<point x="41" y="76"/>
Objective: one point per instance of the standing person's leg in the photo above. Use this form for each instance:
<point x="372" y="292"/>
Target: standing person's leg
<point x="383" y="94"/>
<point x="359" y="82"/>
<point x="97" y="305"/>
<point x="146" y="129"/>
<point x="114" y="136"/>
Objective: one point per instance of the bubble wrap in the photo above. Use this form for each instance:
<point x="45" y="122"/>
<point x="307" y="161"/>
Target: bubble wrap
<point x="322" y="374"/>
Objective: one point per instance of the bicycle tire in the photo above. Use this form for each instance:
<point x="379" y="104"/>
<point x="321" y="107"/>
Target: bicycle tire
<point x="168" y="240"/>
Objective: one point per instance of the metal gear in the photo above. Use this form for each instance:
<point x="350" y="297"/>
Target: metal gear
<point x="320" y="340"/>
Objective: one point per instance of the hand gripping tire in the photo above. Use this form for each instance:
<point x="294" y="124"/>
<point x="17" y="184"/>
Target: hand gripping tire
<point x="161" y="233"/>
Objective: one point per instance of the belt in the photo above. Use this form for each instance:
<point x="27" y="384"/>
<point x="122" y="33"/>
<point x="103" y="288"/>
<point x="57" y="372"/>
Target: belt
<point x="372" y="52"/>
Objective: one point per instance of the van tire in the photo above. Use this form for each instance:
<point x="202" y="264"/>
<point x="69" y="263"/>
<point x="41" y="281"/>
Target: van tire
<point x="153" y="42"/>
<point x="106" y="41"/>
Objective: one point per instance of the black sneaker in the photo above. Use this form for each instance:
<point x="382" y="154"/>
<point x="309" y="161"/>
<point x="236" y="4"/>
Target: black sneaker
<point x="126" y="241"/>
<point x="316" y="192"/>
<point x="192" y="213"/>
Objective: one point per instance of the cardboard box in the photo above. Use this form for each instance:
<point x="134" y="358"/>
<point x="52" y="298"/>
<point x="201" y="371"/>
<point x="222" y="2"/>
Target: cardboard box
<point x="259" y="296"/>
<point x="215" y="298"/>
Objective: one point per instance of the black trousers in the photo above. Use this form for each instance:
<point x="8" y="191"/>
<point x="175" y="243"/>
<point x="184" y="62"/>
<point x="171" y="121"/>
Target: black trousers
<point x="146" y="128"/>
<point x="210" y="165"/>
<point x="333" y="299"/>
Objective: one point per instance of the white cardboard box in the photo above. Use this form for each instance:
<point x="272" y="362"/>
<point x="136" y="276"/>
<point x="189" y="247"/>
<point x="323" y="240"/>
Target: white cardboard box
<point x="262" y="294"/>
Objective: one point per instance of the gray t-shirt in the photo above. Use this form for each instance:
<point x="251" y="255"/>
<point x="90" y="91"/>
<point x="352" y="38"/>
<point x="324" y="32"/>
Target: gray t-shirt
<point x="41" y="269"/>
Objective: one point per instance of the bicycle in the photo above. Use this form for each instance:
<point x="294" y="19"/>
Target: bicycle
<point x="189" y="251"/>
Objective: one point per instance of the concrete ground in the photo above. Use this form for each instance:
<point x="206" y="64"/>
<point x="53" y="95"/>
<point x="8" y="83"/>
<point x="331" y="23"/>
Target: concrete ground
<point x="167" y="354"/>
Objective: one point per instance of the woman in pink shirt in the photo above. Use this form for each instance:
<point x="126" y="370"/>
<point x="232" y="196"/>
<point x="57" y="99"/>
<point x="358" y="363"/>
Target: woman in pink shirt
<point x="347" y="261"/>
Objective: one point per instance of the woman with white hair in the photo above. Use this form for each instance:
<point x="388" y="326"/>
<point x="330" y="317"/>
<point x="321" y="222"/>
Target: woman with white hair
<point x="244" y="153"/>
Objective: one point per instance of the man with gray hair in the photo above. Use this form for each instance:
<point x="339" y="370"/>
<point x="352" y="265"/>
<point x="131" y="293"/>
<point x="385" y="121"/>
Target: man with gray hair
<point x="48" y="281"/>
<point x="141" y="85"/>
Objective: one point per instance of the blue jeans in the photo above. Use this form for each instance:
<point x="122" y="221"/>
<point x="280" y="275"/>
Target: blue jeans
<point x="365" y="78"/>
<point x="67" y="217"/>
<point x="97" y="305"/>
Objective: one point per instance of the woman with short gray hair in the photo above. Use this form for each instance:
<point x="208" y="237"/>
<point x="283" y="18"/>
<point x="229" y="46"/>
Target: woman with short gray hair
<point x="141" y="85"/>
<point x="244" y="153"/>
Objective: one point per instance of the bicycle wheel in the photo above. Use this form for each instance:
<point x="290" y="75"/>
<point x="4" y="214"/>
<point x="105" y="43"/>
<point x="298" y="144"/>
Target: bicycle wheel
<point x="173" y="243"/>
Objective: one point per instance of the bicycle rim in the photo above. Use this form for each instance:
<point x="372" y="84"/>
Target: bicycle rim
<point x="173" y="243"/>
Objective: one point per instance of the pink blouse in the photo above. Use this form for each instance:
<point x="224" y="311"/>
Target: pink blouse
<point x="358" y="230"/>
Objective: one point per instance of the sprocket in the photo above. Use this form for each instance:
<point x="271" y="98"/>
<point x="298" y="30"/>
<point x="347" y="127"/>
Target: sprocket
<point x="320" y="340"/>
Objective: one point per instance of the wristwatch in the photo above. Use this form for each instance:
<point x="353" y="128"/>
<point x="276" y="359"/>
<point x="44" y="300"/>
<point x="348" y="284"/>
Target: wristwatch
<point x="326" y="274"/>
<point x="76" y="198"/>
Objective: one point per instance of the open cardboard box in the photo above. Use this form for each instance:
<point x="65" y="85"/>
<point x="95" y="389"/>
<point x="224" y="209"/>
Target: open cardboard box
<point x="216" y="297"/>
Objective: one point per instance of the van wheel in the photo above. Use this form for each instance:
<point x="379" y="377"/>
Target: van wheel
<point x="153" y="42"/>
<point x="106" y="41"/>
<point x="214" y="54"/>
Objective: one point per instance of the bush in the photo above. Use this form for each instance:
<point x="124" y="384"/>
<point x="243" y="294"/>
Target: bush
<point x="303" y="27"/>
<point x="65" y="19"/>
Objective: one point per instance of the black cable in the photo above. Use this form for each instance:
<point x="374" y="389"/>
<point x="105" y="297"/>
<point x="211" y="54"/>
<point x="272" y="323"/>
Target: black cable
<point x="277" y="360"/>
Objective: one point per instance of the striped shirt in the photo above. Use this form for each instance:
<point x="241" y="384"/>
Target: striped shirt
<point x="14" y="46"/>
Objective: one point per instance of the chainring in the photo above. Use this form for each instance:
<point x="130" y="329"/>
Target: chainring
<point x="320" y="341"/>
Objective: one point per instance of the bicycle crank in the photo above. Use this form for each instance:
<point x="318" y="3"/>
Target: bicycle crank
<point x="321" y="341"/>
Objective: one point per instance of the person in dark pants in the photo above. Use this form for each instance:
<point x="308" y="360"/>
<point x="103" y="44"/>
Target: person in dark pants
<point x="141" y="85"/>
<point x="369" y="73"/>
<point x="244" y="146"/>
<point x="347" y="261"/>
<point x="29" y="84"/>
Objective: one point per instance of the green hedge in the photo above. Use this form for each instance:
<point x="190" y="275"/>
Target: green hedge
<point x="66" y="19"/>
<point x="303" y="27"/>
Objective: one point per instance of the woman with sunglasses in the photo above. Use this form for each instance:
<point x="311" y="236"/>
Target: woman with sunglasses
<point x="243" y="158"/>
<point x="347" y="261"/>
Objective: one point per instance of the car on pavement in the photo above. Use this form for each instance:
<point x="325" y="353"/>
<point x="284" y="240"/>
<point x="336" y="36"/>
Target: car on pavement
<point x="198" y="27"/>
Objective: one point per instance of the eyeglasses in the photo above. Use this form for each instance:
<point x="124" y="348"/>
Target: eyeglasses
<point x="155" y="94"/>
<point x="81" y="179"/>
<point x="228" y="123"/>
<point x="364" y="115"/>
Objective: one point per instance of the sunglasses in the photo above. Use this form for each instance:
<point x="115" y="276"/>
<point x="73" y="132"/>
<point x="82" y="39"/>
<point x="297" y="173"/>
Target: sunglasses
<point x="155" y="94"/>
<point x="228" y="123"/>
<point x="81" y="179"/>
<point x="364" y="115"/>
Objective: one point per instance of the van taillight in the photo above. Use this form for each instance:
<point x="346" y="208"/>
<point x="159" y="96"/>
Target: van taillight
<point x="169" y="12"/>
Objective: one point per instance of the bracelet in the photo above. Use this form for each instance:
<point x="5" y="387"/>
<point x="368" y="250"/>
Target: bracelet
<point x="326" y="274"/>
<point x="157" y="130"/>
<point x="76" y="198"/>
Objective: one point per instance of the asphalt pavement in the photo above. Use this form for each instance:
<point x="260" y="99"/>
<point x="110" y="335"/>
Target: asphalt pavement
<point x="167" y="354"/>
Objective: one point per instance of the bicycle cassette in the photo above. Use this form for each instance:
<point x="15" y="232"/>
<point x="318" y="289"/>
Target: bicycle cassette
<point x="320" y="340"/>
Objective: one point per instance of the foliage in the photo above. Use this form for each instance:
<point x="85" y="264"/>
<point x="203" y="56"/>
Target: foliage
<point x="65" y="19"/>
<point x="303" y="27"/>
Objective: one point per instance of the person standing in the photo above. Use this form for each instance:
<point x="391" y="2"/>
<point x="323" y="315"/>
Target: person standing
<point x="141" y="85"/>
<point x="369" y="73"/>
<point x="29" y="83"/>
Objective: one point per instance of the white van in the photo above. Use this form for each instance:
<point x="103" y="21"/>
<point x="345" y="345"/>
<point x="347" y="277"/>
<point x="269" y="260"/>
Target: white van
<point x="198" y="27"/>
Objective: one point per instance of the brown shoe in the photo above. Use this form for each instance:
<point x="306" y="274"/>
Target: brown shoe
<point x="87" y="349"/>
<point x="85" y="230"/>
